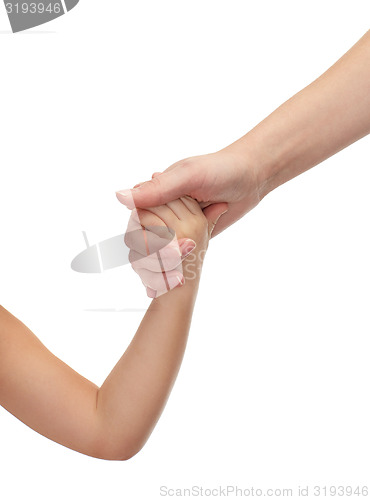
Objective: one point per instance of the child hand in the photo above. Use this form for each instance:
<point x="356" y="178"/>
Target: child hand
<point x="155" y="253"/>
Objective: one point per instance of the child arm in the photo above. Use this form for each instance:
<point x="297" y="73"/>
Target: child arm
<point x="112" y="422"/>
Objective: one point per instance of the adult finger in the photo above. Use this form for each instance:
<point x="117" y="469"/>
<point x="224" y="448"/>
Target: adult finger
<point x="163" y="188"/>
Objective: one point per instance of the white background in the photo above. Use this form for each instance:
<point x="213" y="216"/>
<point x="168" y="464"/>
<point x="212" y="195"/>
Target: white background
<point x="274" y="388"/>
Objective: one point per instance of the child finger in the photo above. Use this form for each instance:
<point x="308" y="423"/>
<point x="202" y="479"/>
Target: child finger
<point x="180" y="209"/>
<point x="192" y="205"/>
<point x="167" y="216"/>
<point x="146" y="242"/>
<point x="166" y="259"/>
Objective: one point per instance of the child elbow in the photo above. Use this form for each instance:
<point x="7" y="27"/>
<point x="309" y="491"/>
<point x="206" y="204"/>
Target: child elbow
<point x="121" y="456"/>
<point x="118" y="453"/>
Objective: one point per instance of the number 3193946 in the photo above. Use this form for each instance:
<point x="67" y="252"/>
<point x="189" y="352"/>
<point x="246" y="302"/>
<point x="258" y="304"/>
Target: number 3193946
<point x="33" y="8"/>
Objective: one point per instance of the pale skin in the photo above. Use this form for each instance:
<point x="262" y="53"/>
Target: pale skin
<point x="114" y="421"/>
<point x="324" y="118"/>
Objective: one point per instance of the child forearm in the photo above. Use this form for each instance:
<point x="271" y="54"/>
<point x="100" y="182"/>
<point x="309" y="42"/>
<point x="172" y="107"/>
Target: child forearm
<point x="112" y="422"/>
<point x="133" y="396"/>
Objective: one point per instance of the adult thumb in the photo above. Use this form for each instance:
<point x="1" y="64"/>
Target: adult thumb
<point x="160" y="190"/>
<point x="213" y="214"/>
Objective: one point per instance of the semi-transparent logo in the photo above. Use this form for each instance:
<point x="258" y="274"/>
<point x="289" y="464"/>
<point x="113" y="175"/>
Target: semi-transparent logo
<point x="28" y="14"/>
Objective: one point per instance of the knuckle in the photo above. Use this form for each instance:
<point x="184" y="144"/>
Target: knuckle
<point x="132" y="257"/>
<point x="187" y="163"/>
<point x="142" y="215"/>
<point x="135" y="266"/>
<point x="139" y="272"/>
<point x="155" y="185"/>
<point x="128" y="239"/>
<point x="133" y="239"/>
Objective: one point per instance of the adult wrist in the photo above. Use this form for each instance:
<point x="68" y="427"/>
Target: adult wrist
<point x="265" y="157"/>
<point x="256" y="164"/>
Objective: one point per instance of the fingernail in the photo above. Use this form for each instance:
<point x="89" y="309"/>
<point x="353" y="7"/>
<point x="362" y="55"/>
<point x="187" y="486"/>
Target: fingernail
<point x="124" y="192"/>
<point x="175" y="281"/>
<point x="187" y="247"/>
<point x="126" y="198"/>
<point x="172" y="246"/>
<point x="151" y="293"/>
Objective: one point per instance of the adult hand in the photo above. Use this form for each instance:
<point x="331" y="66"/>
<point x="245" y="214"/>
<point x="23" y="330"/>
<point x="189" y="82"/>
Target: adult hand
<point x="222" y="177"/>
<point x="211" y="180"/>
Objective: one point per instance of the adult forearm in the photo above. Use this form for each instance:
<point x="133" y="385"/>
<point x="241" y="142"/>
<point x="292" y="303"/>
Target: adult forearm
<point x="325" y="117"/>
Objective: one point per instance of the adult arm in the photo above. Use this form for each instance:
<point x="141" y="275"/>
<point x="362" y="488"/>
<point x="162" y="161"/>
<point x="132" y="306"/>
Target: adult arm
<point x="325" y="117"/>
